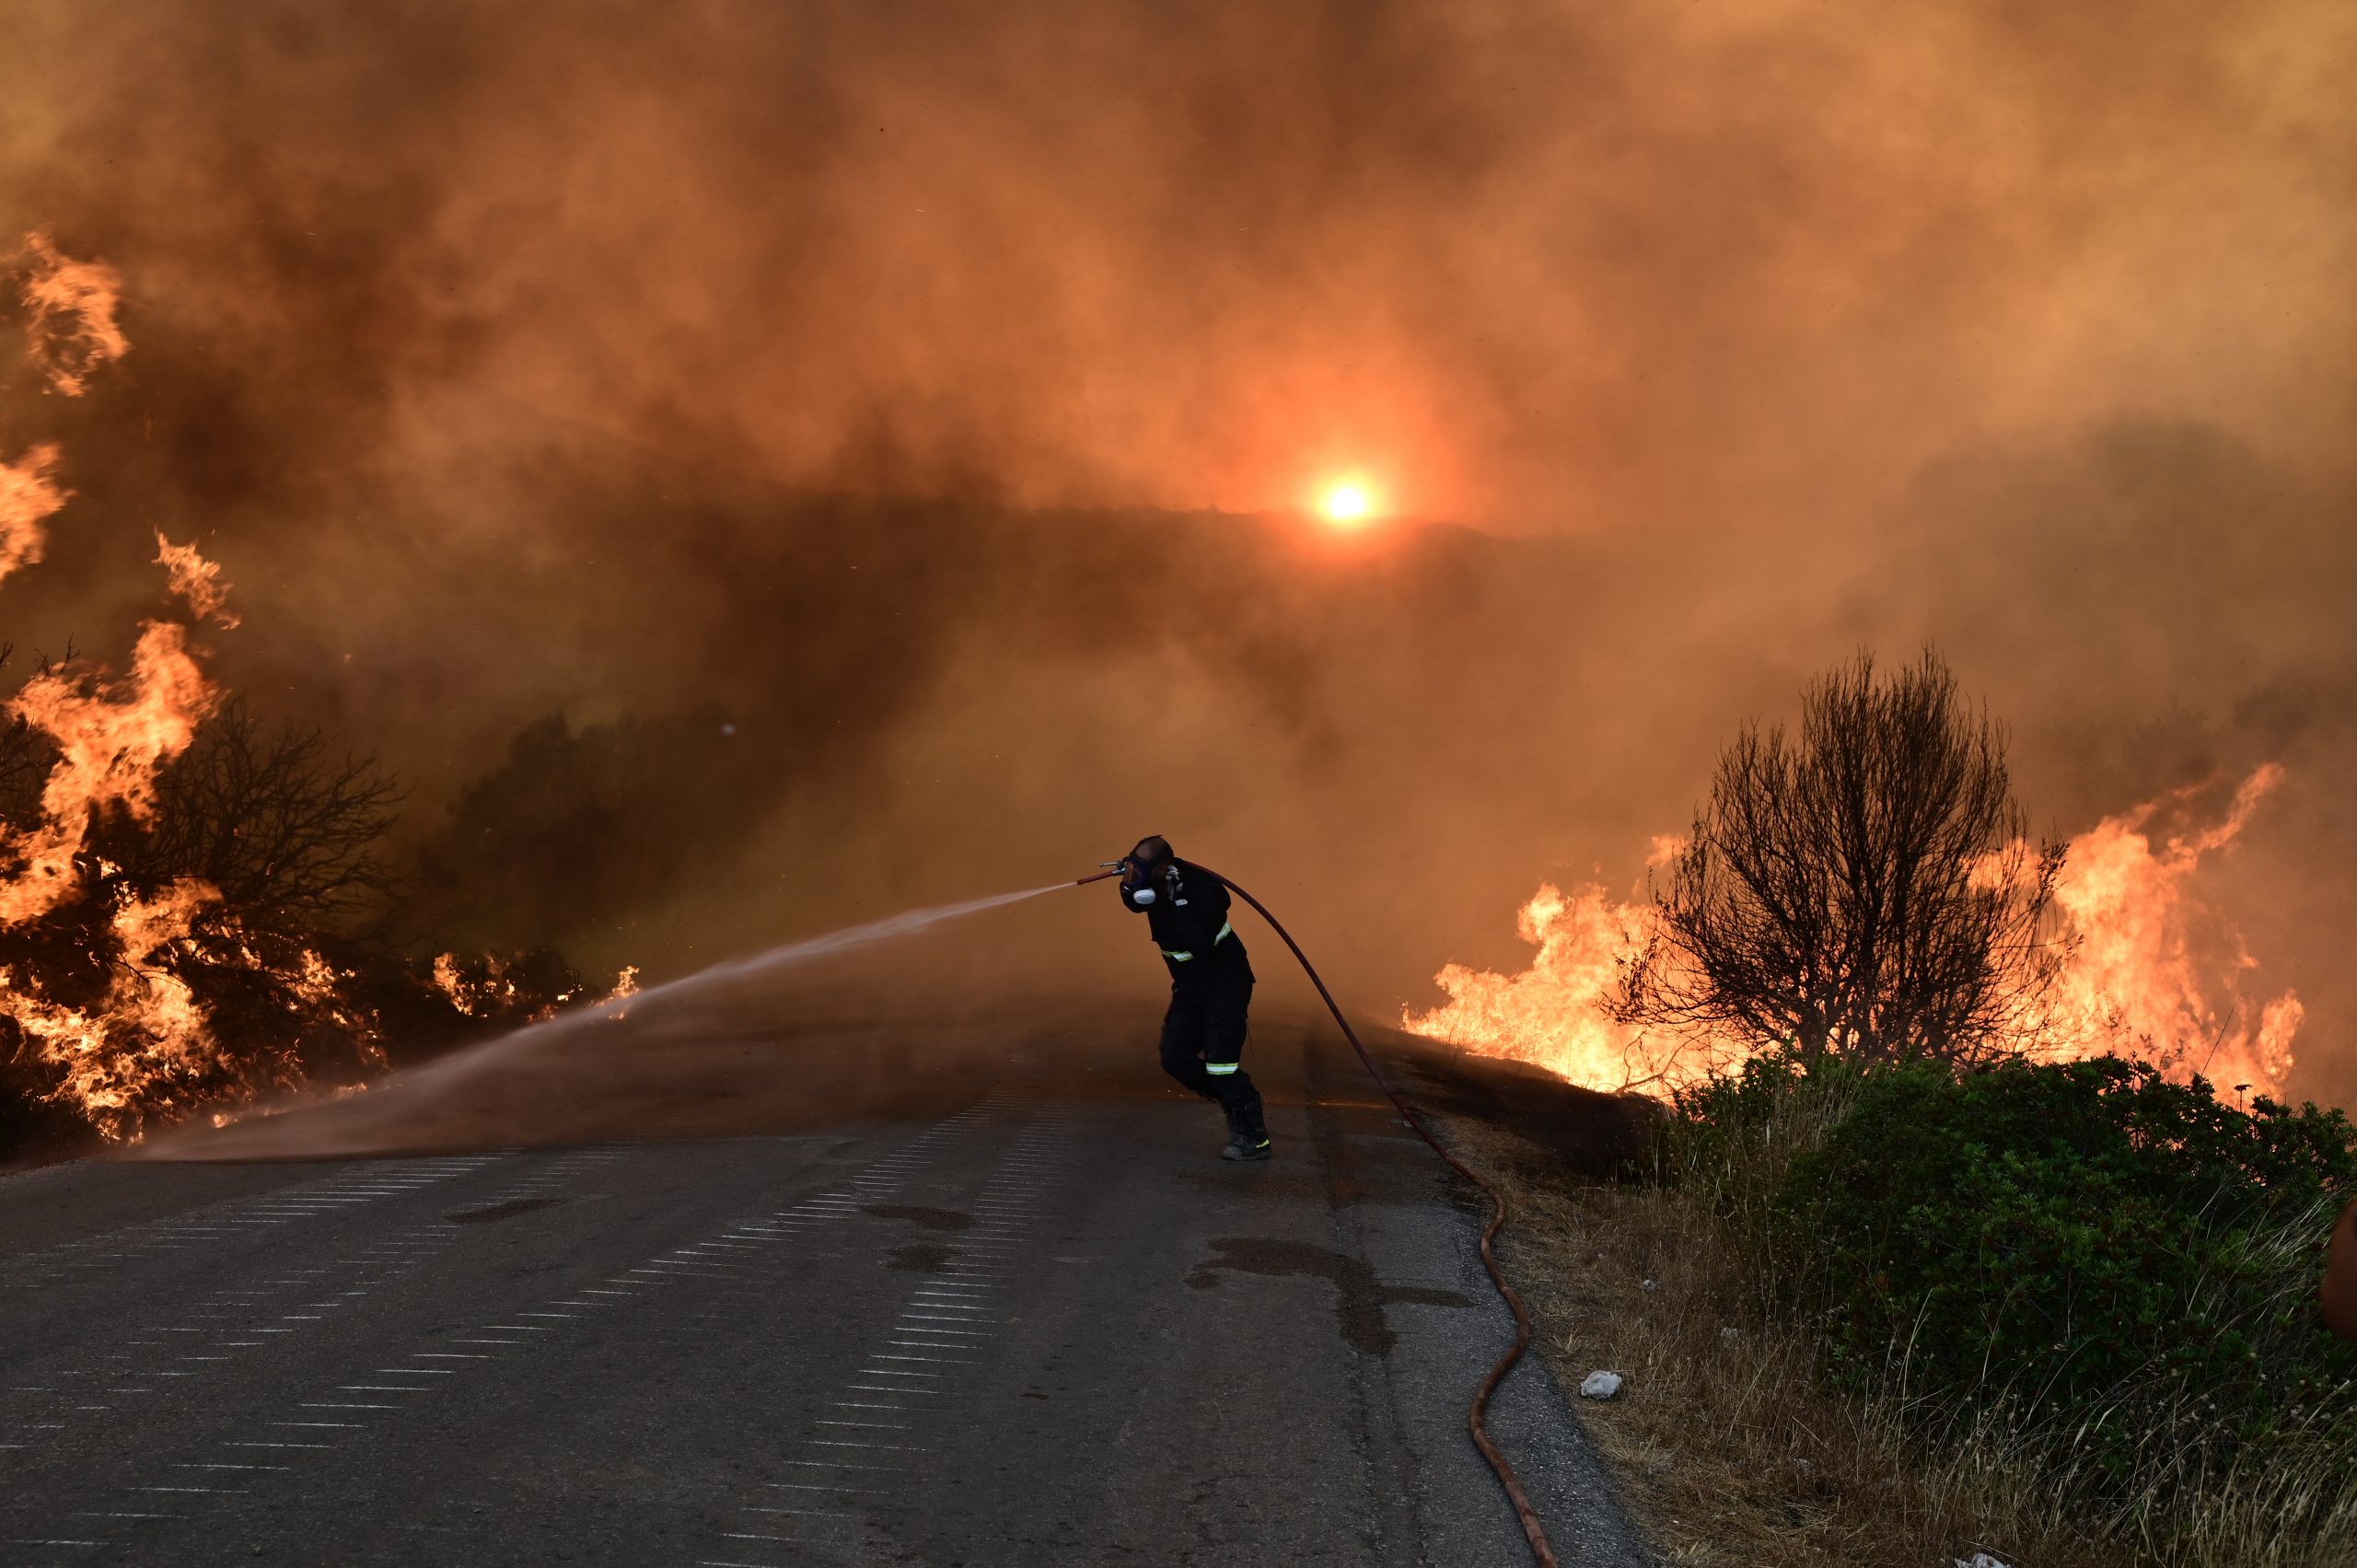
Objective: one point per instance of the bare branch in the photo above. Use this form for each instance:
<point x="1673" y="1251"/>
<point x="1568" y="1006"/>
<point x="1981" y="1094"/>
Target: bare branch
<point x="1869" y="889"/>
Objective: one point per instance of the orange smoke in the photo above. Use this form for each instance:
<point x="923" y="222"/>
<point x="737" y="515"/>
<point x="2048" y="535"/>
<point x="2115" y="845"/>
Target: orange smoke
<point x="2149" y="969"/>
<point x="70" y="315"/>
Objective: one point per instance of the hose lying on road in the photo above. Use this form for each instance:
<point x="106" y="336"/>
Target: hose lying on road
<point x="1531" y="1528"/>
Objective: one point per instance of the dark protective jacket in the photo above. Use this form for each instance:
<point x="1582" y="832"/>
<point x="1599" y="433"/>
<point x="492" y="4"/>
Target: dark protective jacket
<point x="1187" y="915"/>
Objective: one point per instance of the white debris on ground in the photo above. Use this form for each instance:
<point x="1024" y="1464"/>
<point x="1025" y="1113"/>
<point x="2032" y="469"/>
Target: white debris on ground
<point x="1651" y="1284"/>
<point x="1979" y="1559"/>
<point x="1605" y="1385"/>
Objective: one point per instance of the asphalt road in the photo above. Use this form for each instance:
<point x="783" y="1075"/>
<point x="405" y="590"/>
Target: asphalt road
<point x="1028" y="1332"/>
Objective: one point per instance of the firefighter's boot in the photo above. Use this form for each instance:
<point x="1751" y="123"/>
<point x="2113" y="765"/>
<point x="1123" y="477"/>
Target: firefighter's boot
<point x="1247" y="1131"/>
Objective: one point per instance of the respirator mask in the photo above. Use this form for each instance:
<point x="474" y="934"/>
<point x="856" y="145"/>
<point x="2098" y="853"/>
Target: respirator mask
<point x="1140" y="875"/>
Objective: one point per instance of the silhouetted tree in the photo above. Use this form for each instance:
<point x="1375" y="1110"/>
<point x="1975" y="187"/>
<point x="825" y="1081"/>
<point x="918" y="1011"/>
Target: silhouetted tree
<point x="288" y="829"/>
<point x="1869" y="890"/>
<point x="580" y="831"/>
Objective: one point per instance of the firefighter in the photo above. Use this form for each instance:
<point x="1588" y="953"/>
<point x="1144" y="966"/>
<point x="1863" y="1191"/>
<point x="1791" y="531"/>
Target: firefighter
<point x="1211" y="986"/>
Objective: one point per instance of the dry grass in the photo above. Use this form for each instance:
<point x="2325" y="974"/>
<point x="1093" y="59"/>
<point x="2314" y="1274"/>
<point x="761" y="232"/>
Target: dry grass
<point x="1727" y="1450"/>
<point x="1731" y="1449"/>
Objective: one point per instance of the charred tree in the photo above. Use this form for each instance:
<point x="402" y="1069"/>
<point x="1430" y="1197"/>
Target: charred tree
<point x="1869" y="889"/>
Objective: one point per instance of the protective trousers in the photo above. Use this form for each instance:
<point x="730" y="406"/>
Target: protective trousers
<point x="1203" y="1033"/>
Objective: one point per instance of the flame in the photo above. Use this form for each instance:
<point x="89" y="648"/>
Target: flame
<point x="196" y="579"/>
<point x="490" y="991"/>
<point x="70" y="326"/>
<point x="147" y="1048"/>
<point x="140" y="1045"/>
<point x="469" y="996"/>
<point x="27" y="497"/>
<point x="490" y="987"/>
<point x="104" y="1006"/>
<point x="2140" y="970"/>
<point x="1556" y="1012"/>
<point x="111" y="739"/>
<point x="2143" y="961"/>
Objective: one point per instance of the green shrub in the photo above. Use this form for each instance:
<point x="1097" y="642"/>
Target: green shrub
<point x="2114" y="1269"/>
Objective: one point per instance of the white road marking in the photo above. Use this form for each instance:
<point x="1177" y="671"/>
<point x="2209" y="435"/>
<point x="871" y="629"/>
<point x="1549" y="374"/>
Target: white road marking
<point x="186" y="1465"/>
<point x="845" y="1465"/>
<point x="277" y="1445"/>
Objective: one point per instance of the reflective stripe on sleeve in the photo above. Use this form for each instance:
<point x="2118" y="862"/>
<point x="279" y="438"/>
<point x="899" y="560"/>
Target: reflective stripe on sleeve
<point x="1177" y="957"/>
<point x="1219" y="1069"/>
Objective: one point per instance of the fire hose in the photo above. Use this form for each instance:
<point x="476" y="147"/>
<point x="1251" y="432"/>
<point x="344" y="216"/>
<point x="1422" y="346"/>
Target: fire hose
<point x="1541" y="1551"/>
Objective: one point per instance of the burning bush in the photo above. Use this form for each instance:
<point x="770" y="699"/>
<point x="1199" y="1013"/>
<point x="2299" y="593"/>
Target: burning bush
<point x="221" y="934"/>
<point x="174" y="909"/>
<point x="192" y="906"/>
<point x="1870" y="893"/>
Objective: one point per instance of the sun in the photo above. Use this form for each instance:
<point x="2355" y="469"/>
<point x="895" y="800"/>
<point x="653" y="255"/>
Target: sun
<point x="1347" y="504"/>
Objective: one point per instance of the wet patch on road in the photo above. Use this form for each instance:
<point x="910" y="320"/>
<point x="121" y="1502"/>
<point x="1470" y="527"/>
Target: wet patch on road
<point x="931" y="1219"/>
<point x="506" y="1211"/>
<point x="919" y="1258"/>
<point x="1359" y="1297"/>
<point x="1279" y="1181"/>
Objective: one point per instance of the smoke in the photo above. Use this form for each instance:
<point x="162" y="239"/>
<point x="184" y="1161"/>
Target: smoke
<point x="891" y="415"/>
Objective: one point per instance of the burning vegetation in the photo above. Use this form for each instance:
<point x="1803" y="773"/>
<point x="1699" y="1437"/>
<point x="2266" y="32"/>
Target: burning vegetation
<point x="1871" y="891"/>
<point x="196" y="909"/>
<point x="1944" y="1240"/>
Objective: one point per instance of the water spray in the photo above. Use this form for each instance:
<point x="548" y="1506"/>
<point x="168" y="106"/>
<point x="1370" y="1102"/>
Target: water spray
<point x="1532" y="1529"/>
<point x="450" y="1072"/>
